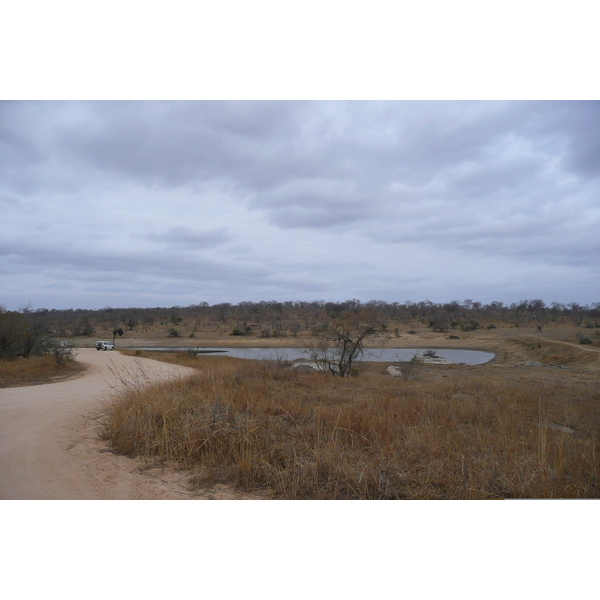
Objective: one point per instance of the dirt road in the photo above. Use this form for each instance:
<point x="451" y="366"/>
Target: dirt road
<point x="49" y="443"/>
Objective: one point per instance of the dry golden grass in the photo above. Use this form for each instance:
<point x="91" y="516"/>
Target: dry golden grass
<point x="36" y="370"/>
<point x="469" y="434"/>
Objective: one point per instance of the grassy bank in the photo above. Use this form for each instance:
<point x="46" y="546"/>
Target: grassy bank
<point x="36" y="370"/>
<point x="474" y="433"/>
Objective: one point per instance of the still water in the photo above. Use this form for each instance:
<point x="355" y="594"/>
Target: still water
<point x="469" y="357"/>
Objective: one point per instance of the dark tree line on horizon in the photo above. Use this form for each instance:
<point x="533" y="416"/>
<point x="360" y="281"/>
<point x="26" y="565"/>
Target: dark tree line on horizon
<point x="290" y="318"/>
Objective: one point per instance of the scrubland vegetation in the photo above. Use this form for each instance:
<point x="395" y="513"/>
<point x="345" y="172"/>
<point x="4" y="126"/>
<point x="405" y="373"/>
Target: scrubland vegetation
<point x="28" y="355"/>
<point x="272" y="320"/>
<point x="449" y="432"/>
<point x="36" y="370"/>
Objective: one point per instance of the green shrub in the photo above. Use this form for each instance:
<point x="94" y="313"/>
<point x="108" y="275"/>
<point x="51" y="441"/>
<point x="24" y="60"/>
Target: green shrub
<point x="244" y="331"/>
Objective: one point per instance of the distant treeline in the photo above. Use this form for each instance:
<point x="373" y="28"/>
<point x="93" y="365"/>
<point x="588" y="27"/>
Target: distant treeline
<point x="273" y="318"/>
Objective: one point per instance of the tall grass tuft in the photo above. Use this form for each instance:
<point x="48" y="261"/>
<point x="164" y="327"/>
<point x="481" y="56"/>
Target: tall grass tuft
<point x="310" y="436"/>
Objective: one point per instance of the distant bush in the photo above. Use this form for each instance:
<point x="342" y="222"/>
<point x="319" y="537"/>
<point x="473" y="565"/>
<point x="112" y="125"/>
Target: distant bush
<point x="582" y="339"/>
<point x="245" y="331"/>
<point x="173" y="333"/>
<point x="63" y="354"/>
<point x="470" y="326"/>
<point x="83" y="328"/>
<point x="438" y="326"/>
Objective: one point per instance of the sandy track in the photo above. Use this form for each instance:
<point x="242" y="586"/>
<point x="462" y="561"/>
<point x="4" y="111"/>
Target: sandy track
<point x="49" y="443"/>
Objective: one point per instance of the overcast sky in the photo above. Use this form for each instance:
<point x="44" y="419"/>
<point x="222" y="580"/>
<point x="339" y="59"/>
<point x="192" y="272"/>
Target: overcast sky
<point x="174" y="203"/>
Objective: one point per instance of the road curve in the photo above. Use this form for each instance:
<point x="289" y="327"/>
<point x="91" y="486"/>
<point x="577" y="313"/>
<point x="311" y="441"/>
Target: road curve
<point x="49" y="443"/>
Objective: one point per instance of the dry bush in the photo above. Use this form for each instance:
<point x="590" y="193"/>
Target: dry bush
<point x="36" y="370"/>
<point x="308" y="435"/>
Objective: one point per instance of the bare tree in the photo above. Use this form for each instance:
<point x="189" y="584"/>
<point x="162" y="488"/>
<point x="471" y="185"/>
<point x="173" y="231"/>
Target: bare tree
<point x="21" y="333"/>
<point x="32" y="337"/>
<point x="341" y="341"/>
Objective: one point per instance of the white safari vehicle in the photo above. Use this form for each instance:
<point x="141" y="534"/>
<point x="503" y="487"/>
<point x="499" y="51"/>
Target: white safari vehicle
<point x="104" y="346"/>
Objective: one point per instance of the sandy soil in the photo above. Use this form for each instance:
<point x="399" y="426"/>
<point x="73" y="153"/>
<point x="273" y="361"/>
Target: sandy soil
<point x="49" y="443"/>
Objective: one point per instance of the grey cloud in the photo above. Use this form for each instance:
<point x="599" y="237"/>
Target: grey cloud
<point x="180" y="142"/>
<point x="517" y="180"/>
<point x="17" y="147"/>
<point x="256" y="120"/>
<point x="316" y="218"/>
<point x="191" y="239"/>
<point x="584" y="143"/>
<point x="318" y="203"/>
<point x="92" y="265"/>
<point x="260" y="145"/>
<point x="487" y="180"/>
<point x="552" y="236"/>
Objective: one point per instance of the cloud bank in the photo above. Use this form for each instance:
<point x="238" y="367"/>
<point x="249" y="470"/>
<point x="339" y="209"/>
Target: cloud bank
<point x="160" y="203"/>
